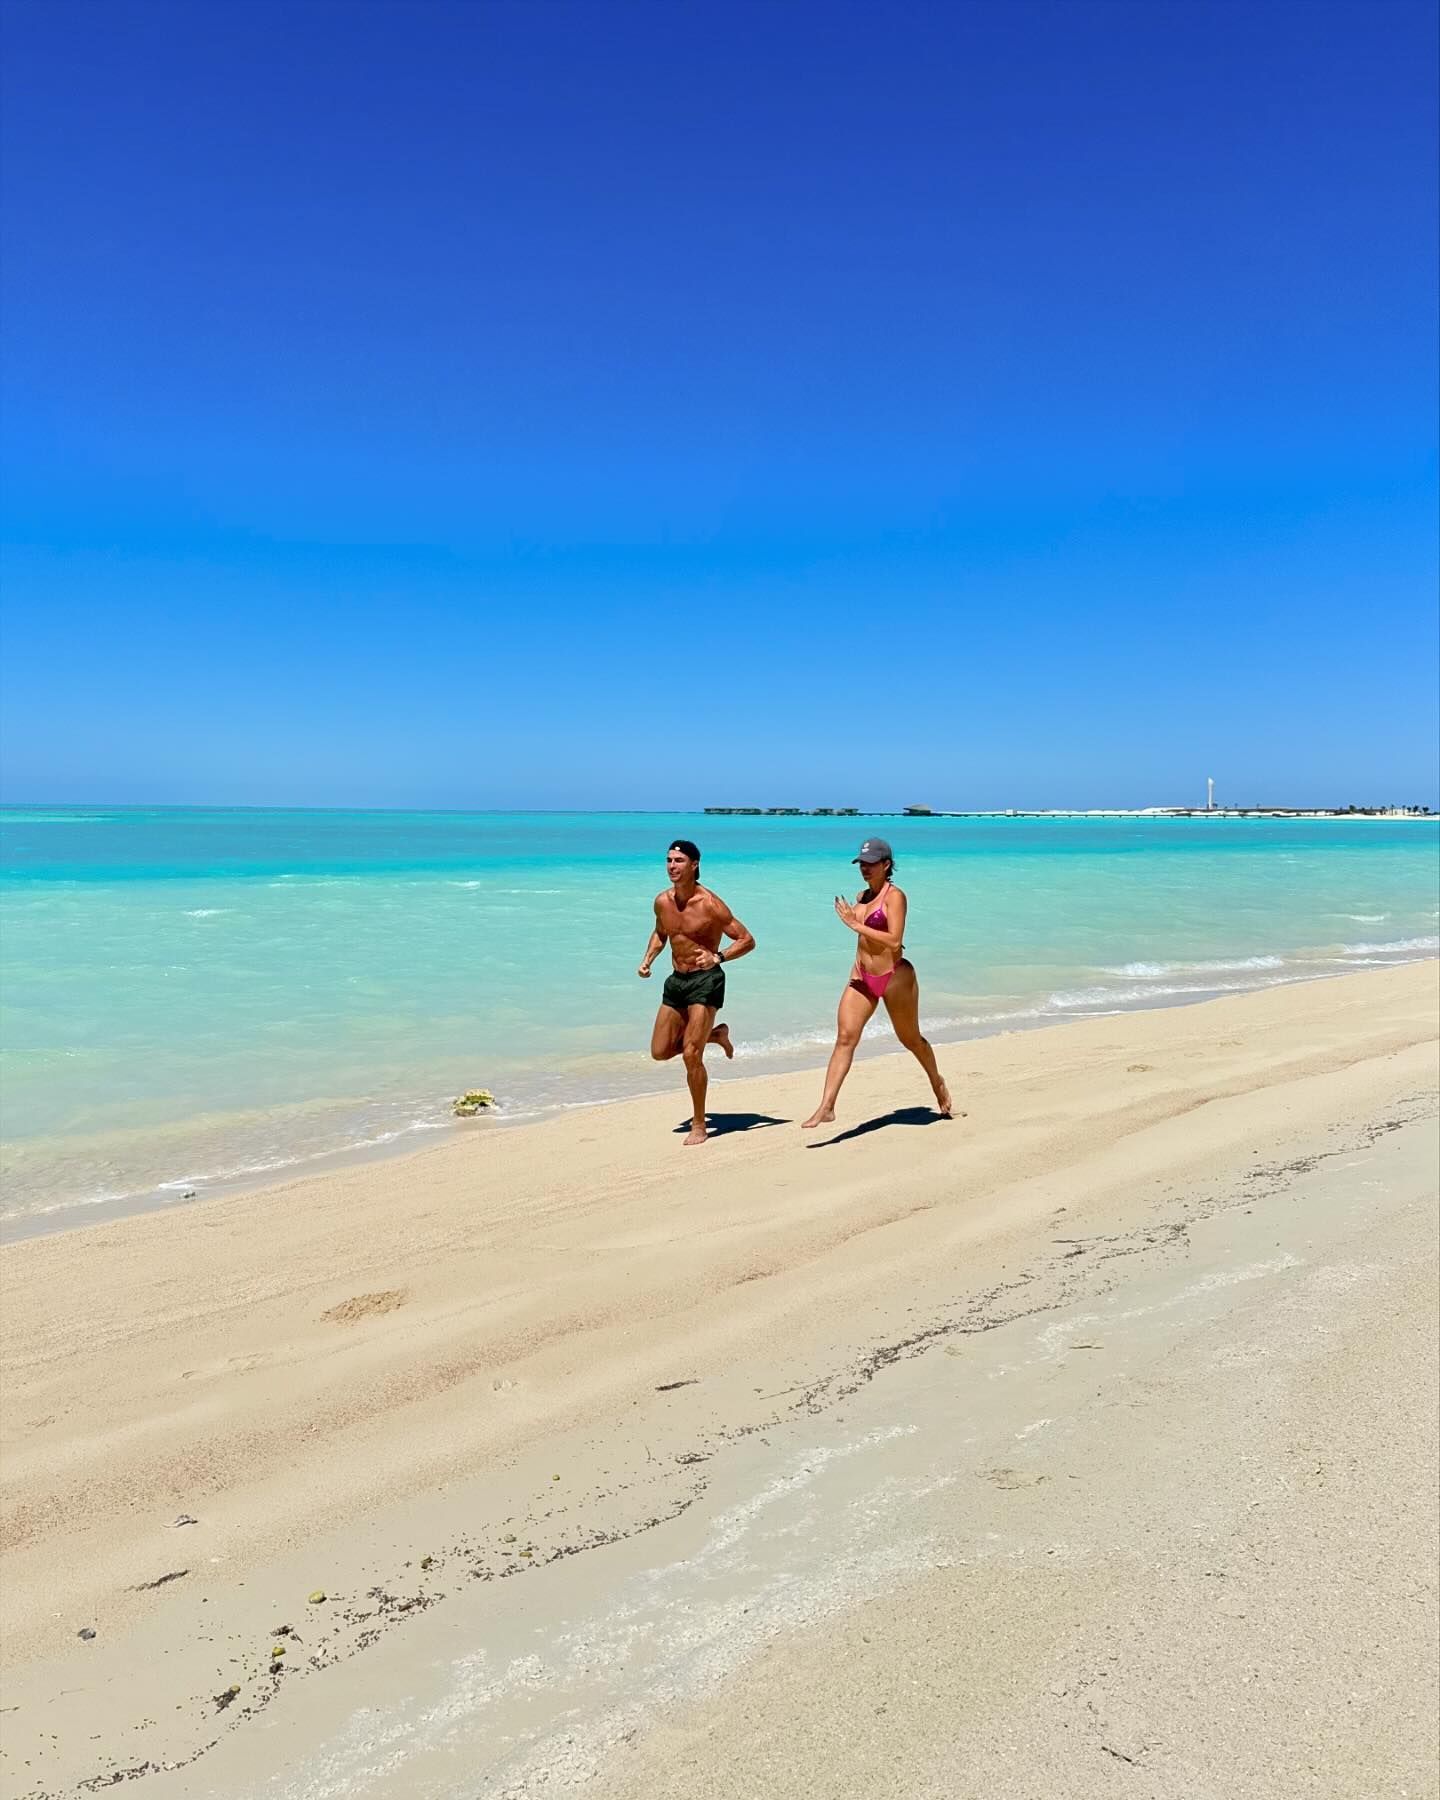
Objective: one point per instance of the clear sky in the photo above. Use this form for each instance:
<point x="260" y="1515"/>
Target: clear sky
<point x="599" y="402"/>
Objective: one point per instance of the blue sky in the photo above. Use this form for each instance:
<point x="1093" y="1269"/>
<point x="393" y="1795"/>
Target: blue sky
<point x="614" y="403"/>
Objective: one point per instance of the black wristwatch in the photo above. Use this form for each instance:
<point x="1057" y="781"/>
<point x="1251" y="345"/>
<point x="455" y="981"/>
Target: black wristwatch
<point x="719" y="959"/>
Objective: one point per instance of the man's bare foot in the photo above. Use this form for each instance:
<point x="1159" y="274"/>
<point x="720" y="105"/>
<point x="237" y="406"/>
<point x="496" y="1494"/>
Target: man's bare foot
<point x="943" y="1103"/>
<point x="697" y="1136"/>
<point x="822" y="1115"/>
<point x="721" y="1036"/>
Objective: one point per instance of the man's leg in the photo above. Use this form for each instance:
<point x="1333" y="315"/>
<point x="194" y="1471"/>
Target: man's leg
<point x="699" y="1025"/>
<point x="668" y="1035"/>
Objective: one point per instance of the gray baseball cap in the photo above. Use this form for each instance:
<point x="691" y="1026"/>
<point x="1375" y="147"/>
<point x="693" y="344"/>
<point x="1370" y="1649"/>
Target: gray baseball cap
<point x="874" y="850"/>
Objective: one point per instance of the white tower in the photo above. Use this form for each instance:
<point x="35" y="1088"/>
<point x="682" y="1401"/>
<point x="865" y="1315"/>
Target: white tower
<point x="1209" y="793"/>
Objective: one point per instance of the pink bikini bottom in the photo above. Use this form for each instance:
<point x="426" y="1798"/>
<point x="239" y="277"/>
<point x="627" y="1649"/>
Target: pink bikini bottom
<point x="874" y="985"/>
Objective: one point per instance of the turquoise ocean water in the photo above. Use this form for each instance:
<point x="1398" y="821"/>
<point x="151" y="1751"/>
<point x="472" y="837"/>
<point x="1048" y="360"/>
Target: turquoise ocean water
<point x="193" y="998"/>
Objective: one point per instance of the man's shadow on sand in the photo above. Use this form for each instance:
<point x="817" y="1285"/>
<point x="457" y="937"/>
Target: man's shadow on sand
<point x="722" y="1124"/>
<point x="903" y="1115"/>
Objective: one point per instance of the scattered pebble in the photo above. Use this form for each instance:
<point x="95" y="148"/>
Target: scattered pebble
<point x="85" y="1632"/>
<point x="186" y="1519"/>
<point x="318" y="1597"/>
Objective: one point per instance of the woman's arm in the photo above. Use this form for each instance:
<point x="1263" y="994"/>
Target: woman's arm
<point x="892" y="938"/>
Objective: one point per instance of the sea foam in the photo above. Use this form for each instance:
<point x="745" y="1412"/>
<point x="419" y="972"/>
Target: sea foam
<point x="1153" y="970"/>
<point x="1397" y="947"/>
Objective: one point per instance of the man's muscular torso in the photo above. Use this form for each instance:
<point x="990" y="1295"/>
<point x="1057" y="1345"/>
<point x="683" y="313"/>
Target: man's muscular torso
<point x="693" y="929"/>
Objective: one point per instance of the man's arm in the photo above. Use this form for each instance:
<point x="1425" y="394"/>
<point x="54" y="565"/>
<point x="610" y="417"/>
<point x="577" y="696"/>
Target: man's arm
<point x="654" y="947"/>
<point x="743" y="943"/>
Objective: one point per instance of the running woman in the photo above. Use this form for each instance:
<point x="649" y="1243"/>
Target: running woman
<point x="880" y="972"/>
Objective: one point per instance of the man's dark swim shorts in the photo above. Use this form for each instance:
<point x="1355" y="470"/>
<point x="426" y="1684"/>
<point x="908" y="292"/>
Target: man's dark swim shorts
<point x="699" y="987"/>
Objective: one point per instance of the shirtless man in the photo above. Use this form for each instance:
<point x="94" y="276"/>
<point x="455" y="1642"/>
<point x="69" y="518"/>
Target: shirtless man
<point x="693" y="921"/>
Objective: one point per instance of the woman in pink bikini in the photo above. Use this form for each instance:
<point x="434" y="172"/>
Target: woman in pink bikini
<point x="881" y="972"/>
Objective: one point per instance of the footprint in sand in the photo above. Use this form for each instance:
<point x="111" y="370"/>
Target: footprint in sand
<point x="365" y="1306"/>
<point x="231" y="1365"/>
<point x="1012" y="1478"/>
<point x="1140" y="1068"/>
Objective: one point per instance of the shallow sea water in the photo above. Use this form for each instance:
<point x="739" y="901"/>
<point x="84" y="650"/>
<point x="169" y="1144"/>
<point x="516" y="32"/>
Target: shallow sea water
<point x="194" y="997"/>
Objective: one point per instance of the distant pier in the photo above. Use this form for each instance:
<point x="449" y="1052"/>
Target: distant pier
<point x="1056" y="812"/>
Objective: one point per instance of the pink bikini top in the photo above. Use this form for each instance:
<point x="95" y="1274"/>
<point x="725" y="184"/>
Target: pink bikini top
<point x="878" y="918"/>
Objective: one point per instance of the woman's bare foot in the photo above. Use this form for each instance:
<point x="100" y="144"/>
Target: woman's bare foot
<point x="698" y="1135"/>
<point x="822" y="1115"/>
<point x="721" y="1036"/>
<point x="943" y="1102"/>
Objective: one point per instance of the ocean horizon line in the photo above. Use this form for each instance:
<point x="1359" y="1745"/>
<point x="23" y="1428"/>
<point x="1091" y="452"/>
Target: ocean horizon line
<point x="830" y="814"/>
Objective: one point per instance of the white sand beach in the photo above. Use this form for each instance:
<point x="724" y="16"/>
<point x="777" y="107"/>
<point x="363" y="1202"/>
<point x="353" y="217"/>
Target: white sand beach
<point x="1083" y="1445"/>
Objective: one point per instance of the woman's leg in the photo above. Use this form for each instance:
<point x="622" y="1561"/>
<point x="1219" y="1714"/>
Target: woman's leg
<point x="856" y="1008"/>
<point x="902" y="1002"/>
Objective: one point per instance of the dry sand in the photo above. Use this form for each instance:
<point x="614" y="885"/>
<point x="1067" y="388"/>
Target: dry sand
<point x="1083" y="1445"/>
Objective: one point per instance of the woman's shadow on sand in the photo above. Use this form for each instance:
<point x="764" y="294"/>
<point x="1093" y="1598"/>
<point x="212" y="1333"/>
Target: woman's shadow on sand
<point x="903" y="1115"/>
<point x="722" y="1124"/>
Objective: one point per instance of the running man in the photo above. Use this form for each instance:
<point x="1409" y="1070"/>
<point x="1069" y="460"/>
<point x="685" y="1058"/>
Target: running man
<point x="692" y="921"/>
